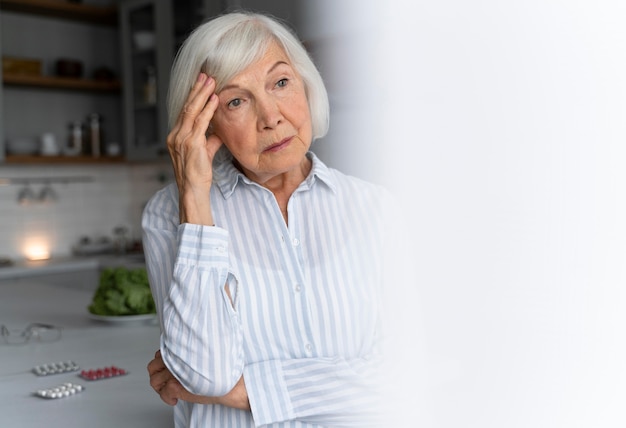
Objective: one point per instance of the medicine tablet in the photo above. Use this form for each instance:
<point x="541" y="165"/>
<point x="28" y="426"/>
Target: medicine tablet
<point x="55" y="368"/>
<point x="103" y="373"/>
<point x="60" y="391"/>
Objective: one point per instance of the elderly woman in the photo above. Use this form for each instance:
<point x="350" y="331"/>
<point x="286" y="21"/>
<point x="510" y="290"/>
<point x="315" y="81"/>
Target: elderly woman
<point x="265" y="264"/>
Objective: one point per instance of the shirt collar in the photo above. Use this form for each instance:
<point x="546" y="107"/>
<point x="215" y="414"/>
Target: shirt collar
<point x="227" y="177"/>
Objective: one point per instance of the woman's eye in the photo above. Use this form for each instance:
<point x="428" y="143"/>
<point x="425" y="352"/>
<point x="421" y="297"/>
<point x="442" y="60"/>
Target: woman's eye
<point x="282" y="83"/>
<point x="234" y="103"/>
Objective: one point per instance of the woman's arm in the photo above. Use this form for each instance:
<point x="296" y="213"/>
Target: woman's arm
<point x="192" y="152"/>
<point x="201" y="340"/>
<point x="337" y="393"/>
<point x="187" y="259"/>
<point x="170" y="390"/>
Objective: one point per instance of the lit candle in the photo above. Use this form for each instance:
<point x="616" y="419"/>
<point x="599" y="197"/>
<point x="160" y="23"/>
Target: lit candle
<point x="36" y="251"/>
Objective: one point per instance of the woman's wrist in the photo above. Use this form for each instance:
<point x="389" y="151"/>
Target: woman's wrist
<point x="195" y="208"/>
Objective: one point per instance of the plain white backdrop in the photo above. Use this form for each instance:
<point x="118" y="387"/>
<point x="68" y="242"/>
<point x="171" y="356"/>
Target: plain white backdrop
<point x="503" y="125"/>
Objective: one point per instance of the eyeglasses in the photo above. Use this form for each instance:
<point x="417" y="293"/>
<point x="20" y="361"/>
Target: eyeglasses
<point x="35" y="331"/>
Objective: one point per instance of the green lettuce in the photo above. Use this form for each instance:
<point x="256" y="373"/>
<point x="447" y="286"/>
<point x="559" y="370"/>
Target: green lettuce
<point x="123" y="291"/>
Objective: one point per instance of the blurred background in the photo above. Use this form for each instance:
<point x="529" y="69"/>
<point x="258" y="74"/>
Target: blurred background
<point x="500" y="126"/>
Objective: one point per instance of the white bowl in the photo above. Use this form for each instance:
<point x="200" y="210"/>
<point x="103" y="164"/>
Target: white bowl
<point x="144" y="40"/>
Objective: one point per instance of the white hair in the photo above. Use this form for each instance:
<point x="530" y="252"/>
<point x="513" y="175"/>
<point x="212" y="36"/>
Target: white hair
<point x="224" y="46"/>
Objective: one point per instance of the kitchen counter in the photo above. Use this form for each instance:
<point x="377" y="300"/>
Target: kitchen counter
<point x="68" y="265"/>
<point x="124" y="401"/>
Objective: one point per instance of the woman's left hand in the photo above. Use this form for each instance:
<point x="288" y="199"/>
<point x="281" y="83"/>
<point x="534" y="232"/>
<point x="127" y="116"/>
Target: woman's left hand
<point x="170" y="390"/>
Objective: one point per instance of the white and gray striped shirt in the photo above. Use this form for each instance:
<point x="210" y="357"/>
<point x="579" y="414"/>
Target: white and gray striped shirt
<point x="304" y="325"/>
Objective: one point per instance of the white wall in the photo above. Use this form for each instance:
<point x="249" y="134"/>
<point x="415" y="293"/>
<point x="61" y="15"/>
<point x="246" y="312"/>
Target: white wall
<point x="113" y="196"/>
<point x="503" y="124"/>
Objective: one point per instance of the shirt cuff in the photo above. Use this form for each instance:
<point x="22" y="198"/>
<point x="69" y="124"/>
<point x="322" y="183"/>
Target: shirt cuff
<point x="202" y="245"/>
<point x="267" y="392"/>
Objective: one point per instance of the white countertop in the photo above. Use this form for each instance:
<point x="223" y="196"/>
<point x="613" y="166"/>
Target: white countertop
<point x="26" y="268"/>
<point x="124" y="401"/>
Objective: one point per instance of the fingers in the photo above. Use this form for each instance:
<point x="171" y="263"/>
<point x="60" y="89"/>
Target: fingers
<point x="199" y="107"/>
<point x="159" y="378"/>
<point x="171" y="391"/>
<point x="163" y="382"/>
<point x="155" y="366"/>
<point x="190" y="149"/>
<point x="169" y="388"/>
<point x="158" y="372"/>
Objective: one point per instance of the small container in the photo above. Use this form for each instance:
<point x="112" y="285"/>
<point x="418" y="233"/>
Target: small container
<point x="113" y="149"/>
<point x="74" y="145"/>
<point x="95" y="139"/>
<point x="14" y="65"/>
<point x="150" y="86"/>
<point x="49" y="146"/>
<point x="66" y="67"/>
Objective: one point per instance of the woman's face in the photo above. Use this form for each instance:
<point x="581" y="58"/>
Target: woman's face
<point x="263" y="117"/>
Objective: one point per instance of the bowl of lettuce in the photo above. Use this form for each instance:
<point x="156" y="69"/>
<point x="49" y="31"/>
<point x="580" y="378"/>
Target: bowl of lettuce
<point x="123" y="293"/>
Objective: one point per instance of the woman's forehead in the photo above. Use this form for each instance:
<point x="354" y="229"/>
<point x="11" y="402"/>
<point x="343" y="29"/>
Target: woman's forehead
<point x="273" y="58"/>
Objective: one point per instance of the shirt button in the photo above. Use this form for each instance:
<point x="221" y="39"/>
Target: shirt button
<point x="295" y="242"/>
<point x="308" y="347"/>
<point x="221" y="249"/>
<point x="297" y="288"/>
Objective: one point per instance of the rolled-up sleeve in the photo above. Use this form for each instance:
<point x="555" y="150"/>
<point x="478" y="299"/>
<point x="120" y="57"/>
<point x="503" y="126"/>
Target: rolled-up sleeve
<point x="201" y="339"/>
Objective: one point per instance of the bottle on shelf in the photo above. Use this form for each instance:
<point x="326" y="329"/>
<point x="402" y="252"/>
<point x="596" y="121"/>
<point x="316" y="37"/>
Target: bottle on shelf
<point x="150" y="86"/>
<point x="95" y="135"/>
<point x="74" y="145"/>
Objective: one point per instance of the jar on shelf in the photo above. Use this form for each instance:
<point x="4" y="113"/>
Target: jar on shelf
<point x="95" y="134"/>
<point x="74" y="144"/>
<point x="150" y="86"/>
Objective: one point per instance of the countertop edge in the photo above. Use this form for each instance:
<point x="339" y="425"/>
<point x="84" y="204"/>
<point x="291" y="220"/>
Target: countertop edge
<point x="68" y="264"/>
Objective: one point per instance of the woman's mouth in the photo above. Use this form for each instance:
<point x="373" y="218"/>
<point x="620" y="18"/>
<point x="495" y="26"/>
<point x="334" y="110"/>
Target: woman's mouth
<point x="279" y="146"/>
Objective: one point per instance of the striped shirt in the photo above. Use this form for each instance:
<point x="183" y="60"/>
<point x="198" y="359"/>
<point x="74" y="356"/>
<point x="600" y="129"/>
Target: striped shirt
<point x="303" y="326"/>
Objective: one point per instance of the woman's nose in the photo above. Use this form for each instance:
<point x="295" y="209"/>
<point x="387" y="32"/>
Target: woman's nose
<point x="269" y="114"/>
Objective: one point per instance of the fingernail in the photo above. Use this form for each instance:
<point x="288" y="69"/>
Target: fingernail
<point x="208" y="81"/>
<point x="201" y="77"/>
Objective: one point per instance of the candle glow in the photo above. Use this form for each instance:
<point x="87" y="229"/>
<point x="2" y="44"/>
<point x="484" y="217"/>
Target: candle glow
<point x="37" y="251"/>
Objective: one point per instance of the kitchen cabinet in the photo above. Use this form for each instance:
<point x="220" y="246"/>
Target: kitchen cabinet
<point x="97" y="34"/>
<point x="147" y="46"/>
<point x="33" y="104"/>
<point x="168" y="23"/>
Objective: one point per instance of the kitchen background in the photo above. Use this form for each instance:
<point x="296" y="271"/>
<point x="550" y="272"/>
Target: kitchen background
<point x="92" y="197"/>
<point x="503" y="128"/>
<point x="118" y="84"/>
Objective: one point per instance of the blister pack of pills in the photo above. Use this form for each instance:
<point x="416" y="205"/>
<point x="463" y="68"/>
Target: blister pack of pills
<point x="55" y="368"/>
<point x="65" y="390"/>
<point x="103" y="373"/>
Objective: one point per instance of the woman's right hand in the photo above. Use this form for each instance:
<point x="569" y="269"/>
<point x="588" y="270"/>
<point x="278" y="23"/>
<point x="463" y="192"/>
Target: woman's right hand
<point x="170" y="390"/>
<point x="192" y="149"/>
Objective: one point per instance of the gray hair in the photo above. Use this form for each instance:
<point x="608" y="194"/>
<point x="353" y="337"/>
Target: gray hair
<point x="226" y="45"/>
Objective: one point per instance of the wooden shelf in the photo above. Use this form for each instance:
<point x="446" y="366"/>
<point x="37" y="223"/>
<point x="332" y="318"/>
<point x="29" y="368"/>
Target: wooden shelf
<point x="52" y="82"/>
<point x="102" y="15"/>
<point x="36" y="159"/>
